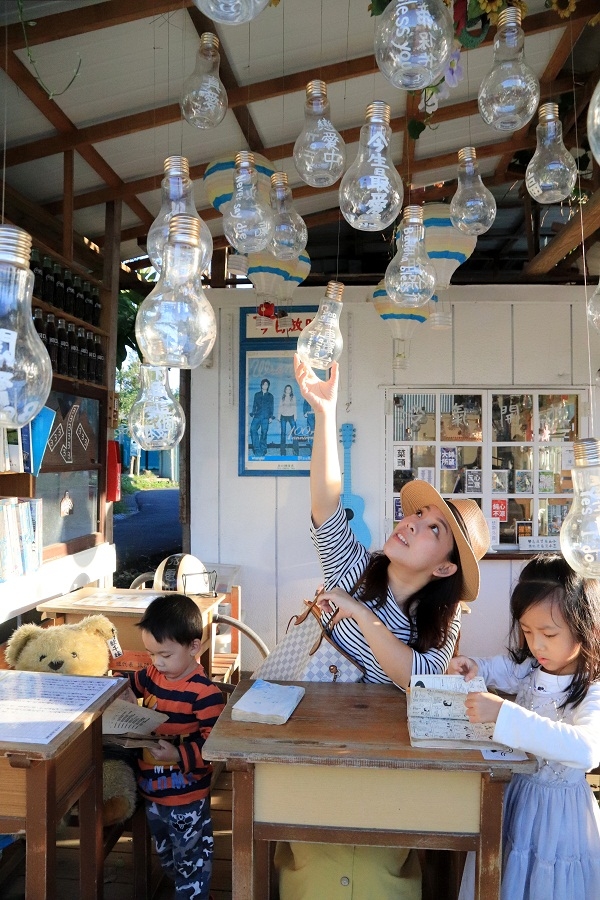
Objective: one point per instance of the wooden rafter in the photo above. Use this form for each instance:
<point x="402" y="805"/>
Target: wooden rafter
<point x="577" y="229"/>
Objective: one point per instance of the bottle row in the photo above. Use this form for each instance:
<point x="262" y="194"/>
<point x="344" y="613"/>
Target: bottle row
<point x="73" y="351"/>
<point x="64" y="290"/>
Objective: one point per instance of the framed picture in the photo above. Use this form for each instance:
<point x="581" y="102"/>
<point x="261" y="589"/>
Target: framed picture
<point x="276" y="425"/>
<point x="500" y="481"/>
<point x="524" y="529"/>
<point x="473" y="481"/>
<point x="524" y="482"/>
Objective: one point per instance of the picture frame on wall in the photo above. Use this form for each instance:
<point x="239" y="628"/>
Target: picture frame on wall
<point x="276" y="425"/>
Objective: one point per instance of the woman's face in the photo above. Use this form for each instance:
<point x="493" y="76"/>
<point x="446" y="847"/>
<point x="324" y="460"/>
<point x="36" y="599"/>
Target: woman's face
<point x="287" y="391"/>
<point x="422" y="542"/>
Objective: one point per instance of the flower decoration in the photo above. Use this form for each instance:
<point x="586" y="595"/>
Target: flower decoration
<point x="564" y="8"/>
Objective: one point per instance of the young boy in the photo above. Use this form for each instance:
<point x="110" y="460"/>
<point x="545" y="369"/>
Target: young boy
<point x="173" y="778"/>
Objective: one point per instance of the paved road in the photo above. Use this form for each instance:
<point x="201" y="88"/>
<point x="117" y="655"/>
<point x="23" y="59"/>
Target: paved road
<point x="154" y="528"/>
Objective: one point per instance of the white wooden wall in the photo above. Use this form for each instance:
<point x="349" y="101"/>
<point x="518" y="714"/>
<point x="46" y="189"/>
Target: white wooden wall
<point x="502" y="336"/>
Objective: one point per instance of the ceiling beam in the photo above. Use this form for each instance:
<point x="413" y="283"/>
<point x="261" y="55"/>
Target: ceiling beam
<point x="577" y="229"/>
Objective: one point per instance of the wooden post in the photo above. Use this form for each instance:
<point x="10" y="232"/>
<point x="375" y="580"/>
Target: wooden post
<point x="112" y="266"/>
<point x="185" y="384"/>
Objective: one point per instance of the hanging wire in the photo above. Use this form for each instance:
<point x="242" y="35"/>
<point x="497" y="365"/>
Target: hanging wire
<point x="5" y="126"/>
<point x="183" y="70"/>
<point x="339" y="233"/>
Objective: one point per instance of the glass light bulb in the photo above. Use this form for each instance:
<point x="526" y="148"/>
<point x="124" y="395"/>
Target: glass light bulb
<point x="371" y="191"/>
<point x="319" y="151"/>
<point x="247" y="222"/>
<point x="290" y="234"/>
<point x="177" y="197"/>
<point x="413" y="42"/>
<point x="410" y="277"/>
<point x="204" y="98"/>
<point x="321" y="342"/>
<point x="156" y="420"/>
<point x="473" y="207"/>
<point x="509" y="94"/>
<point x="552" y="172"/>
<point x="231" y="12"/>
<point x="25" y="368"/>
<point x="175" y="325"/>
<point x="580" y="531"/>
<point x="593" y="308"/>
<point x="593" y="123"/>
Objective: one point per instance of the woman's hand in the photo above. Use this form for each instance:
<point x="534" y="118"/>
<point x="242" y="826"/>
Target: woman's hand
<point x="167" y="752"/>
<point x="463" y="665"/>
<point x="322" y="395"/>
<point x="339" y="602"/>
<point x="483" y="707"/>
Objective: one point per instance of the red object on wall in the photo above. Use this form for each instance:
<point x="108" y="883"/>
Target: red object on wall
<point x="113" y="471"/>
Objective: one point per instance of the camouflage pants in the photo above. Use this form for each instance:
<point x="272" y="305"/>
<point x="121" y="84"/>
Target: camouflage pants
<point x="184" y="843"/>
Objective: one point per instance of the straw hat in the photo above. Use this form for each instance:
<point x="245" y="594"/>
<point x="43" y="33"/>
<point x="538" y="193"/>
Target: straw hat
<point x="468" y="527"/>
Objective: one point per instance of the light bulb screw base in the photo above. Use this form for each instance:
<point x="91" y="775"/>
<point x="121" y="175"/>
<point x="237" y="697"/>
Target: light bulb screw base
<point x="15" y="246"/>
<point x="279" y="179"/>
<point x="467" y="154"/>
<point x="209" y="41"/>
<point x="378" y="112"/>
<point x="184" y="230"/>
<point x="334" y="291"/>
<point x="315" y="89"/>
<point x="548" y="112"/>
<point x="244" y="159"/>
<point x="176" y="166"/>
<point x="587" y="452"/>
<point x="413" y="215"/>
<point x="509" y="16"/>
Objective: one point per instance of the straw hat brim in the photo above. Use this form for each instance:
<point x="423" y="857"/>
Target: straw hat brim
<point x="417" y="494"/>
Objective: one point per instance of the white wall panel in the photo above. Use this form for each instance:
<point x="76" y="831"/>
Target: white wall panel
<point x="482" y="344"/>
<point x="542" y="343"/>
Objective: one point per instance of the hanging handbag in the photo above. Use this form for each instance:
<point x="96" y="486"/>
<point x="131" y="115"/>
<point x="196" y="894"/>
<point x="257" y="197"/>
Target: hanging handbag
<point x="309" y="653"/>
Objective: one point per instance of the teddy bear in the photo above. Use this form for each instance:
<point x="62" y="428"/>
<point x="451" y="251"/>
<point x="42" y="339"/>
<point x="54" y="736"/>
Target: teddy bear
<point x="78" y="649"/>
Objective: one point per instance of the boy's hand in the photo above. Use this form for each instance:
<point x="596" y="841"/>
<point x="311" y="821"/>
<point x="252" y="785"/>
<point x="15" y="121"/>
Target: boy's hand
<point x="483" y="707"/>
<point x="463" y="665"/>
<point x="167" y="752"/>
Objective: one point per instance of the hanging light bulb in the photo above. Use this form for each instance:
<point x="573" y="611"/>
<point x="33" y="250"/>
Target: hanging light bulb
<point x="593" y="123"/>
<point x="156" y="420"/>
<point x="25" y="368"/>
<point x="413" y="42"/>
<point x="290" y="234"/>
<point x="580" y="531"/>
<point x="175" y="325"/>
<point x="177" y="197"/>
<point x="247" y="221"/>
<point x="320" y="342"/>
<point x="204" y="98"/>
<point x="231" y="12"/>
<point x="509" y="94"/>
<point x="319" y="151"/>
<point x="473" y="207"/>
<point x="593" y="308"/>
<point x="410" y="277"/>
<point x="403" y="322"/>
<point x="552" y="171"/>
<point x="371" y="191"/>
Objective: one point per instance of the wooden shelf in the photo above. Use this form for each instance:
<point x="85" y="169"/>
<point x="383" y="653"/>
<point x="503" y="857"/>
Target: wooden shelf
<point x="17" y="484"/>
<point x="61" y="314"/>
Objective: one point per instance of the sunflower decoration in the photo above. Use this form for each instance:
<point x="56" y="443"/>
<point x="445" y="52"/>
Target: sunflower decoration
<point x="564" y="8"/>
<point x="491" y="7"/>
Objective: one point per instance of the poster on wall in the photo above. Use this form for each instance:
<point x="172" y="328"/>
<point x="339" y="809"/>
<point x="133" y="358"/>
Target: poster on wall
<point x="276" y="424"/>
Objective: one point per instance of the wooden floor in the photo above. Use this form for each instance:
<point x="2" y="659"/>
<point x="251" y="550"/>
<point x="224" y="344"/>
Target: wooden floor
<point x="118" y="869"/>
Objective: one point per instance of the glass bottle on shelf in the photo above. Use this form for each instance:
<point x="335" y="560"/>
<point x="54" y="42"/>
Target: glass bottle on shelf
<point x="48" y="280"/>
<point x="69" y="297"/>
<point x="52" y="336"/>
<point x="38" y="274"/>
<point x="63" y="348"/>
<point x="79" y="299"/>
<point x="99" y="360"/>
<point x="91" y="349"/>
<point x="59" y="286"/>
<point x="82" y="368"/>
<point x="73" y="371"/>
<point x="40" y="325"/>
<point x="97" y="313"/>
<point x="88" y="303"/>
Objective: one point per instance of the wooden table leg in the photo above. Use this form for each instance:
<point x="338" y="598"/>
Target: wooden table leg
<point x="488" y="867"/>
<point x="40" y="858"/>
<point x="91" y="835"/>
<point x="250" y="858"/>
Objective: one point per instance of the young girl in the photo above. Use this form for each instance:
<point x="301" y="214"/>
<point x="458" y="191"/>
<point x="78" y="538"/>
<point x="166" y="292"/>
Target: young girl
<point x="286" y="415"/>
<point x="551" y="833"/>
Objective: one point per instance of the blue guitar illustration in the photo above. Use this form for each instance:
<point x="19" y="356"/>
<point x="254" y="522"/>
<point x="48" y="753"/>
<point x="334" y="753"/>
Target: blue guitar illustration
<point x="352" y="503"/>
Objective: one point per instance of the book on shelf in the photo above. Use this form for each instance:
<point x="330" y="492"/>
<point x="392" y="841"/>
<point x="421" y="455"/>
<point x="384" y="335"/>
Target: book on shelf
<point x="437" y="715"/>
<point x="34" y="439"/>
<point x="267" y="702"/>
<point x="15" y="450"/>
<point x="21" y="541"/>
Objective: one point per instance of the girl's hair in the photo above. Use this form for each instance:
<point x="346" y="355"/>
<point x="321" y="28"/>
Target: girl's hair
<point x="431" y="609"/>
<point x="291" y="390"/>
<point x="172" y="617"/>
<point x="548" y="576"/>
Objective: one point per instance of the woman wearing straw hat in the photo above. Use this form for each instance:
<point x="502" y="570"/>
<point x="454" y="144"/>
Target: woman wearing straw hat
<point x="413" y="587"/>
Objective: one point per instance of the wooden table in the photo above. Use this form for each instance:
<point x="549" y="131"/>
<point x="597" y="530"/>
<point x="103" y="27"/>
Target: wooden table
<point x="39" y="782"/>
<point x="342" y="770"/>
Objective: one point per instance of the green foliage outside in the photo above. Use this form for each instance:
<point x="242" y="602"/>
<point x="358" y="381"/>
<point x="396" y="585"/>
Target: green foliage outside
<point x="130" y="484"/>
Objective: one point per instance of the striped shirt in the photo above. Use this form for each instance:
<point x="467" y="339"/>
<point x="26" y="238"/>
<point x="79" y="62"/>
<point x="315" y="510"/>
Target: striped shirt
<point x="343" y="560"/>
<point x="193" y="705"/>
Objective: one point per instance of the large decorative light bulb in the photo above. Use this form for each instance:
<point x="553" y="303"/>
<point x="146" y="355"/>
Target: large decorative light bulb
<point x="25" y="368"/>
<point x="371" y="191"/>
<point x="290" y="234"/>
<point x="204" y="98"/>
<point x="510" y="92"/>
<point x="473" y="207"/>
<point x="593" y="308"/>
<point x="410" y="277"/>
<point x="156" y="420"/>
<point x="552" y="171"/>
<point x="319" y="151"/>
<point x="177" y="197"/>
<point x="413" y="42"/>
<point x="175" y="325"/>
<point x="593" y="123"/>
<point x="247" y="222"/>
<point x="580" y="531"/>
<point x="231" y="12"/>
<point x="321" y="342"/>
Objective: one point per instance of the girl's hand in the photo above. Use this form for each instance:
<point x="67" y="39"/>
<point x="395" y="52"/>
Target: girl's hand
<point x="463" y="665"/>
<point x="167" y="752"/>
<point x="339" y="602"/>
<point x="322" y="395"/>
<point x="483" y="707"/>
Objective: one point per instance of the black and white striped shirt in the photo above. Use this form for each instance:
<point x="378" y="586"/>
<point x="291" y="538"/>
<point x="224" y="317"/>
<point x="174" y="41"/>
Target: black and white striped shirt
<point x="343" y="560"/>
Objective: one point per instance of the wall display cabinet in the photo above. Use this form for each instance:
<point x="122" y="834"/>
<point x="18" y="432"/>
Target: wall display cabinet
<point x="511" y="450"/>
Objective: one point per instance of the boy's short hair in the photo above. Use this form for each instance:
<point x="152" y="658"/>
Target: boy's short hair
<point x="172" y="617"/>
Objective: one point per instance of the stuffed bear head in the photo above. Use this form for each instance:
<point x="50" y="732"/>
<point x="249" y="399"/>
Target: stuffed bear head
<point x="78" y="649"/>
